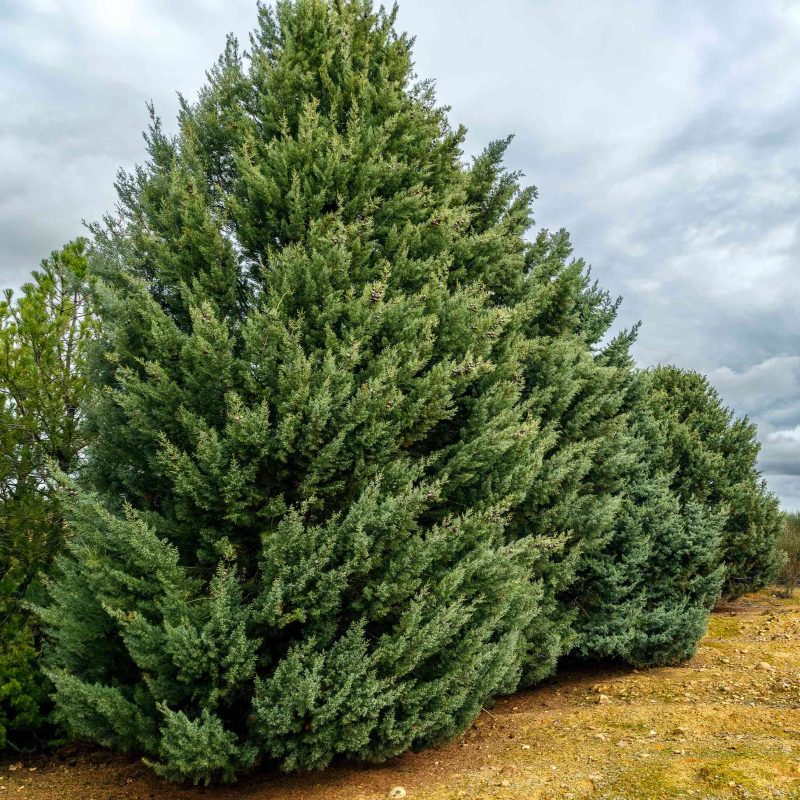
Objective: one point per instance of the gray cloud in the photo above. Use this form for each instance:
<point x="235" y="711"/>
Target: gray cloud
<point x="662" y="133"/>
<point x="770" y="392"/>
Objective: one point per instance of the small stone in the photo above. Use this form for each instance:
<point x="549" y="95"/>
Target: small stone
<point x="765" y="666"/>
<point x="526" y="747"/>
<point x="396" y="793"/>
<point x="505" y="783"/>
<point x="603" y="699"/>
<point x="652" y="733"/>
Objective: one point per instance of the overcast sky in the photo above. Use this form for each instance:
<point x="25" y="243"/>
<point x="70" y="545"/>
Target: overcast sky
<point x="664" y="135"/>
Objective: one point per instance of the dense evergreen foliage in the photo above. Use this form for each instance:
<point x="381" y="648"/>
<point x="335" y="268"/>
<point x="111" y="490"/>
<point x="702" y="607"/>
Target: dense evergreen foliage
<point x="713" y="458"/>
<point x="645" y="594"/>
<point x="628" y="571"/>
<point x="308" y="450"/>
<point x="43" y="338"/>
<point x="365" y="452"/>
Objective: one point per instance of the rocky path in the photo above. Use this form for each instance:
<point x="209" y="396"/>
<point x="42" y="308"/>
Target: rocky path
<point x="725" y="725"/>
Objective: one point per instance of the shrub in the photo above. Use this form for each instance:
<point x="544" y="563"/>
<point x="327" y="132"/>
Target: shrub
<point x="713" y="459"/>
<point x="789" y="547"/>
<point x="43" y="339"/>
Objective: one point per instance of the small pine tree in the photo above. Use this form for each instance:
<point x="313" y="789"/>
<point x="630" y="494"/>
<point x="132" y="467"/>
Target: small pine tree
<point x="312" y="436"/>
<point x="44" y="334"/>
<point x="713" y="456"/>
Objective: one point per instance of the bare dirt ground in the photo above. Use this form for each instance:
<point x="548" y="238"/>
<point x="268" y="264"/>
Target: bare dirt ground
<point x="725" y="725"/>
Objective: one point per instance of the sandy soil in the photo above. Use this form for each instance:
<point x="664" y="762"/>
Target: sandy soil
<point x="725" y="725"/>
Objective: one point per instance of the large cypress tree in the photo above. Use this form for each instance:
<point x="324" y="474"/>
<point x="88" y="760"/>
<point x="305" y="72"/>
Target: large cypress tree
<point x="363" y="459"/>
<point x="312" y="431"/>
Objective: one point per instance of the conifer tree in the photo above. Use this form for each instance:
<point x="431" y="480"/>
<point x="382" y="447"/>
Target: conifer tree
<point x="643" y="595"/>
<point x="44" y="334"/>
<point x="364" y="455"/>
<point x="713" y="457"/>
<point x="681" y="578"/>
<point x="570" y="506"/>
<point x="601" y="507"/>
<point x="312" y="432"/>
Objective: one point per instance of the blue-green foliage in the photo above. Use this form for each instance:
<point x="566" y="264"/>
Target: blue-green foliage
<point x="712" y="457"/>
<point x="365" y="455"/>
<point x="311" y="434"/>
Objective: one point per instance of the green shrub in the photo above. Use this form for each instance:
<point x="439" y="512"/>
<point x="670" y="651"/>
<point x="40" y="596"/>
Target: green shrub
<point x="23" y="687"/>
<point x="713" y="459"/>
<point x="43" y="339"/>
<point x="789" y="547"/>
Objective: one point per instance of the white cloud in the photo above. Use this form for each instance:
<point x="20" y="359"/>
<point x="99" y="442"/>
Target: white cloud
<point x="791" y="435"/>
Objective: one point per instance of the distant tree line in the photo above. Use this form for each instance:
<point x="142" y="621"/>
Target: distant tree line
<point x="789" y="549"/>
<point x="313" y="450"/>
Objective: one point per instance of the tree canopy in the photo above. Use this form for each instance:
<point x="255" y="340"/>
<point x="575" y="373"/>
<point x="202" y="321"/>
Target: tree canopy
<point x="44" y="337"/>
